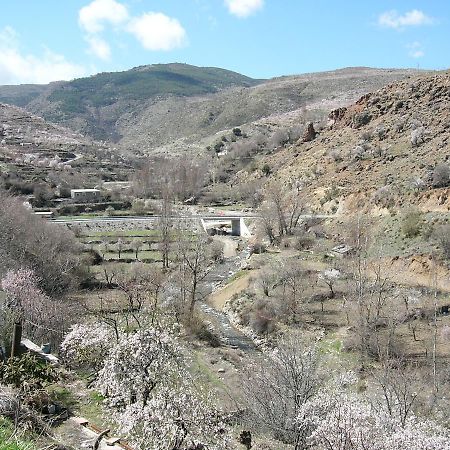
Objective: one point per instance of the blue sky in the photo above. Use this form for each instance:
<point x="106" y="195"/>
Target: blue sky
<point x="47" y="40"/>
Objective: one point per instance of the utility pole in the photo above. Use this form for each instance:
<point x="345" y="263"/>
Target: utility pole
<point x="16" y="338"/>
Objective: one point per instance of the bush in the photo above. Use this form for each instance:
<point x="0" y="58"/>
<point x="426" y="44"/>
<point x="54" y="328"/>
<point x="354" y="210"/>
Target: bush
<point x="257" y="248"/>
<point x="262" y="318"/>
<point x="27" y="372"/>
<point x="218" y="146"/>
<point x="9" y="439"/>
<point x="202" y="331"/>
<point x="138" y="206"/>
<point x="418" y="136"/>
<point x="441" y="176"/>
<point x="443" y="237"/>
<point x="412" y="223"/>
<point x="361" y="119"/>
<point x="304" y="241"/>
<point x="384" y="197"/>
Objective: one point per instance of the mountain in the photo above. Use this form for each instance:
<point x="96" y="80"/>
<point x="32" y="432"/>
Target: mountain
<point x="176" y="105"/>
<point x="387" y="151"/>
<point x="93" y="105"/>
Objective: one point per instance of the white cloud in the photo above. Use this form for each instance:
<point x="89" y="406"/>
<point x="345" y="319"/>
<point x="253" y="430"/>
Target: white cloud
<point x="99" y="47"/>
<point x="93" y="16"/>
<point x="18" y="68"/>
<point x="415" y="50"/>
<point x="392" y="19"/>
<point x="243" y="8"/>
<point x="156" y="31"/>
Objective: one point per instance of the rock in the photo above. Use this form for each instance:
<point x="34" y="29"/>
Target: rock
<point x="221" y="371"/>
<point x="309" y="134"/>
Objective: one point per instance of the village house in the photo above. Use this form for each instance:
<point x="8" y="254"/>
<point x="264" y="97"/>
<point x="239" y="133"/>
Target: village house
<point x="85" y="195"/>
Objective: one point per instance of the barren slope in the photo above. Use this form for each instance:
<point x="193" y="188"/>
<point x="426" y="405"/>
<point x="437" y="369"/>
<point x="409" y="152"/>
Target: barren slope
<point x="379" y="152"/>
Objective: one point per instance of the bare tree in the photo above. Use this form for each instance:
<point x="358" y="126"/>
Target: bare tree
<point x="281" y="211"/>
<point x="398" y="386"/>
<point x="277" y="386"/>
<point x="294" y="280"/>
<point x="165" y="225"/>
<point x="194" y="266"/>
<point x="27" y="241"/>
<point x="120" y="246"/>
<point x="136" y="245"/>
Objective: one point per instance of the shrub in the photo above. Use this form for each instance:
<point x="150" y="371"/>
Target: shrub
<point x="335" y="155"/>
<point x="418" y="136"/>
<point x="304" y="241"/>
<point x="441" y="176"/>
<point x="27" y="372"/>
<point x="202" y="330"/>
<point x="257" y="248"/>
<point x="367" y="135"/>
<point x="266" y="170"/>
<point x="380" y="131"/>
<point x="412" y="223"/>
<point x="9" y="439"/>
<point x="361" y="119"/>
<point x="262" y="322"/>
<point x="218" y="146"/>
<point x="138" y="206"/>
<point x="384" y="197"/>
<point x="443" y="237"/>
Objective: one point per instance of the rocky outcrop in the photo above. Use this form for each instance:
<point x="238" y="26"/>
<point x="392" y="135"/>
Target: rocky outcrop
<point x="309" y="134"/>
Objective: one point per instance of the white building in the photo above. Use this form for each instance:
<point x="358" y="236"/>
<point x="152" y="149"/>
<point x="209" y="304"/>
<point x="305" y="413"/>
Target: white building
<point x="85" y="195"/>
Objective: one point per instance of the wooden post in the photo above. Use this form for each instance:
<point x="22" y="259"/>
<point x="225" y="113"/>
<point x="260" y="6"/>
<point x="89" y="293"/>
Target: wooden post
<point x="16" y="338"/>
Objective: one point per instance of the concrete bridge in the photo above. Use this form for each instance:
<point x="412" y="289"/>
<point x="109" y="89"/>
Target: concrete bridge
<point x="235" y="224"/>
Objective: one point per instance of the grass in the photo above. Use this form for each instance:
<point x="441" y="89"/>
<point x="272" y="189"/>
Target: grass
<point x="88" y="405"/>
<point x="92" y="409"/>
<point x="9" y="439"/>
<point x="391" y="240"/>
<point x="63" y="396"/>
<point x="237" y="275"/>
<point x="200" y="369"/>
<point x="123" y="233"/>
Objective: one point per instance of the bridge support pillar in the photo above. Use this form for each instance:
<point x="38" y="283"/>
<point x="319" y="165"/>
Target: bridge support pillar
<point x="236" y="227"/>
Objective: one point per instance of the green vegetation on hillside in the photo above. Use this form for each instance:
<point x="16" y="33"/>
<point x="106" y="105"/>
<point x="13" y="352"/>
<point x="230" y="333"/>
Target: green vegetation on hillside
<point x="142" y="83"/>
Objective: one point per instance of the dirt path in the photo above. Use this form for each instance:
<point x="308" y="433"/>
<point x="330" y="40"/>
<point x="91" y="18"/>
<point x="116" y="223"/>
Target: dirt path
<point x="218" y="298"/>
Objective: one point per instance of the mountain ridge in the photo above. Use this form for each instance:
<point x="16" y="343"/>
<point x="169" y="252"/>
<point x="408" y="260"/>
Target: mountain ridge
<point x="151" y="106"/>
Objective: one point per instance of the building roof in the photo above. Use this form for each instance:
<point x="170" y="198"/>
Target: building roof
<point x="84" y="190"/>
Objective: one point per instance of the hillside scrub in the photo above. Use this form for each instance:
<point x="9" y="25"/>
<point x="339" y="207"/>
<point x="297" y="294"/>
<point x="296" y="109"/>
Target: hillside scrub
<point x="28" y="241"/>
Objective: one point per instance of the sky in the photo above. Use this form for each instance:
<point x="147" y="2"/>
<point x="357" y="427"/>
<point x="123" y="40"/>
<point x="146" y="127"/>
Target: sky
<point x="49" y="40"/>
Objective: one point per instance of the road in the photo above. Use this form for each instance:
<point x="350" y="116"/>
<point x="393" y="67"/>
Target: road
<point x="127" y="219"/>
<point x="130" y="219"/>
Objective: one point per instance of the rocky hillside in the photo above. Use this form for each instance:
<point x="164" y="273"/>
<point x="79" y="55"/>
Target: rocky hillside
<point x="389" y="149"/>
<point x="174" y="106"/>
<point x="33" y="151"/>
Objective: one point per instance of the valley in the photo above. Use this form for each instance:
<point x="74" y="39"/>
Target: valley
<point x="335" y="301"/>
